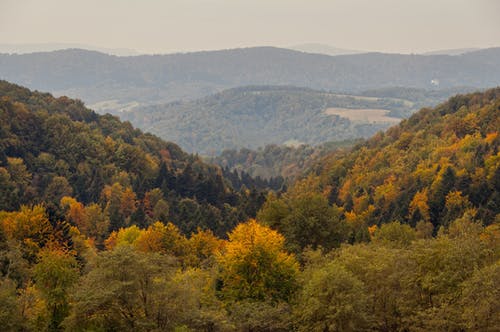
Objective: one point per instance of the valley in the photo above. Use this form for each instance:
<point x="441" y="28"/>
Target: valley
<point x="249" y="166"/>
<point x="98" y="218"/>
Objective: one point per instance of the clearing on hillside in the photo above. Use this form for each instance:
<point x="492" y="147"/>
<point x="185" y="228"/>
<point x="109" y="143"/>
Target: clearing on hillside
<point x="363" y="115"/>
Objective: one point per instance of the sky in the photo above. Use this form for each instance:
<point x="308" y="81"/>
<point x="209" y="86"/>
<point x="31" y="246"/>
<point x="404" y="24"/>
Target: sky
<point x="167" y="26"/>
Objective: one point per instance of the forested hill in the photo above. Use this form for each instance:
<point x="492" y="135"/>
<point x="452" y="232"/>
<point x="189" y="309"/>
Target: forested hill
<point x="435" y="166"/>
<point x="52" y="148"/>
<point x="96" y="77"/>
<point x="256" y="116"/>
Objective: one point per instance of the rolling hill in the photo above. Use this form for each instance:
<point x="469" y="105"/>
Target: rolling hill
<point x="97" y="77"/>
<point x="255" y="116"/>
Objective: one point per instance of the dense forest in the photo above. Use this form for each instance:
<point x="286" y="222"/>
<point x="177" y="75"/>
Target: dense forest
<point x="400" y="233"/>
<point x="274" y="161"/>
<point x="432" y="167"/>
<point x="51" y="148"/>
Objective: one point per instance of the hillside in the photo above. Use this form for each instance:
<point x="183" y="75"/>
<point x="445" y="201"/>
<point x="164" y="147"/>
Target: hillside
<point x="96" y="77"/>
<point x="432" y="167"/>
<point x="252" y="117"/>
<point x="55" y="147"/>
<point x="255" y="116"/>
<point x="417" y="98"/>
<point x="440" y="165"/>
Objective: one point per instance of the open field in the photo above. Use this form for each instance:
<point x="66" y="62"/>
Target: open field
<point x="114" y="104"/>
<point x="363" y="115"/>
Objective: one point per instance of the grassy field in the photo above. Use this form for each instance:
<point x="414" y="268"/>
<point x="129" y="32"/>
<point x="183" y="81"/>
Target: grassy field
<point x="363" y="115"/>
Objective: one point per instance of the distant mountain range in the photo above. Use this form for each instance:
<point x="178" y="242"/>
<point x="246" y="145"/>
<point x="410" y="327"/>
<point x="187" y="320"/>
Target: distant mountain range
<point x="319" y="48"/>
<point x="453" y="51"/>
<point x="49" y="47"/>
<point x="97" y="77"/>
<point x="323" y="49"/>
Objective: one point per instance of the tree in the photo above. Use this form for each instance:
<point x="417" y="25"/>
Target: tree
<point x="54" y="274"/>
<point x="58" y="188"/>
<point x="161" y="238"/>
<point x="124" y="236"/>
<point x="155" y="207"/>
<point x="8" y="192"/>
<point x="90" y="220"/>
<point x="97" y="225"/>
<point x="394" y="234"/>
<point x="120" y="203"/>
<point x="380" y="269"/>
<point x="332" y="299"/>
<point x="261" y="316"/>
<point x="455" y="206"/>
<point x="31" y="228"/>
<point x="433" y="279"/>
<point x="442" y="185"/>
<point x="305" y="218"/>
<point x="10" y="315"/>
<point x="203" y="247"/>
<point x="481" y="299"/>
<point x="14" y="183"/>
<point x="129" y="290"/>
<point x="256" y="266"/>
<point x="419" y="205"/>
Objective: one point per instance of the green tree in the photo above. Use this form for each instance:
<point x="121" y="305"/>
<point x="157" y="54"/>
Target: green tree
<point x="10" y="315"/>
<point x="480" y="300"/>
<point x="305" y="218"/>
<point x="135" y="291"/>
<point x="54" y="274"/>
<point x="395" y="234"/>
<point x="332" y="299"/>
<point x="254" y="316"/>
<point x="380" y="269"/>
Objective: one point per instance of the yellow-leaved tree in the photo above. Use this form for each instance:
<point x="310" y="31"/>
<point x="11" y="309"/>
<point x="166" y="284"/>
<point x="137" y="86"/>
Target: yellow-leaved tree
<point x="255" y="265"/>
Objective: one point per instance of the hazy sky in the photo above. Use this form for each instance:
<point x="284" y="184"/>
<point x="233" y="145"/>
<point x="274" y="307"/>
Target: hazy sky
<point x="163" y="26"/>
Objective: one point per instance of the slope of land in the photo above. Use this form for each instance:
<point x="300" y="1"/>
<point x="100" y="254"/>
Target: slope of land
<point x="432" y="167"/>
<point x="55" y="147"/>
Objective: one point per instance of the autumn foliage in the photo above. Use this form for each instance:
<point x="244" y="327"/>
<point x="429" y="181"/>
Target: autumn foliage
<point x="400" y="234"/>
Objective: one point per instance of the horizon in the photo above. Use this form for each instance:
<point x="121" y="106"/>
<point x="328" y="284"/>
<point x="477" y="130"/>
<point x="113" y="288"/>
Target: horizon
<point x="13" y="49"/>
<point x="185" y="26"/>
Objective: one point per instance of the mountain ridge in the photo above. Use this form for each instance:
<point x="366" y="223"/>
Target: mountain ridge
<point x="95" y="77"/>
